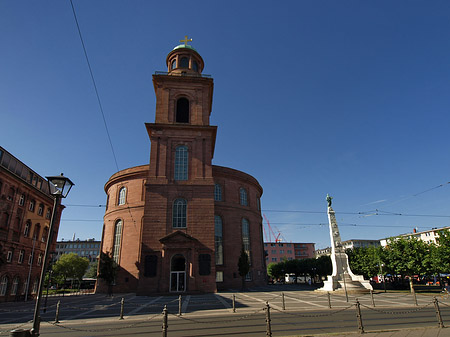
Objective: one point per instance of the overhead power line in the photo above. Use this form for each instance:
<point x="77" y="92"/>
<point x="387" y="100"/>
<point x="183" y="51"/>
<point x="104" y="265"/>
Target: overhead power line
<point x="95" y="85"/>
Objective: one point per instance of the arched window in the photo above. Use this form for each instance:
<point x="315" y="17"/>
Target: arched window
<point x="37" y="231"/>
<point x="122" y="195"/>
<point x="246" y="237"/>
<point x="26" y="230"/>
<point x="184" y="62"/>
<point x="44" y="234"/>
<point x="3" y="285"/>
<point x="243" y="197"/>
<point x="181" y="163"/>
<point x="32" y="204"/>
<point x="41" y="209"/>
<point x="10" y="195"/>
<point x="117" y="240"/>
<point x="194" y="65"/>
<point x="174" y="64"/>
<point x="179" y="213"/>
<point x="182" y="113"/>
<point x="217" y="192"/>
<point x="218" y="238"/>
<point x="35" y="286"/>
<point x="15" y="286"/>
<point x="22" y="200"/>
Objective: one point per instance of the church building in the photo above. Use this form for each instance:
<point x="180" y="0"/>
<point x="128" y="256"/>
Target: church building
<point x="178" y="224"/>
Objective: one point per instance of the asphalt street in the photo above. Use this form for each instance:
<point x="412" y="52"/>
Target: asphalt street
<point x="293" y="312"/>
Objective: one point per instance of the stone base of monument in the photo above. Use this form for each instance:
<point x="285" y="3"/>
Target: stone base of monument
<point x="352" y="283"/>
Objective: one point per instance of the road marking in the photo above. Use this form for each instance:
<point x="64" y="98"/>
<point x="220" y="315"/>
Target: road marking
<point x="221" y="300"/>
<point x="262" y="301"/>
<point x="99" y="307"/>
<point x="185" y="303"/>
<point x="307" y="302"/>
<point x="144" y="306"/>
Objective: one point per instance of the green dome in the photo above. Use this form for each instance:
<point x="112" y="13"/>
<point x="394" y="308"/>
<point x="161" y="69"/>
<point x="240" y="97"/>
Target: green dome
<point x="185" y="46"/>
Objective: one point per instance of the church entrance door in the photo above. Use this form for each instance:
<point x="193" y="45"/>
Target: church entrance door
<point x="178" y="273"/>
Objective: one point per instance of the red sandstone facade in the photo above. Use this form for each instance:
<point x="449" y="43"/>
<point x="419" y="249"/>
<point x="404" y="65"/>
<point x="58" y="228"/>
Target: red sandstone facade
<point x="178" y="224"/>
<point x="25" y="212"/>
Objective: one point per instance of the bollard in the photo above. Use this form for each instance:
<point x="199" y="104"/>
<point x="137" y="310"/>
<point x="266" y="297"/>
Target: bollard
<point x="164" y="325"/>
<point x="438" y="313"/>
<point x="268" y="327"/>
<point x="121" y="308"/>
<point x="415" y="298"/>
<point x="359" y="317"/>
<point x="234" y="303"/>
<point x="179" y="305"/>
<point x="57" y="312"/>
<point x="329" y="299"/>
<point x="282" y="298"/>
<point x="371" y="295"/>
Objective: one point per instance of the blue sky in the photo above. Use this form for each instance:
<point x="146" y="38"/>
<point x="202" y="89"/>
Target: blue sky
<point x="349" y="98"/>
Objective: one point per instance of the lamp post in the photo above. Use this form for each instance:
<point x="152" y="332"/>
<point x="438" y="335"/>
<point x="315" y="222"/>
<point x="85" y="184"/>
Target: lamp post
<point x="59" y="187"/>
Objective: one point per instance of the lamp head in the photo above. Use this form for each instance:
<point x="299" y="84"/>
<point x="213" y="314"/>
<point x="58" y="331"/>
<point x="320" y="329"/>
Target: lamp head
<point x="59" y="185"/>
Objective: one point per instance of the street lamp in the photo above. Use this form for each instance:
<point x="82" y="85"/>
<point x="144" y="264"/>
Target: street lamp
<point x="59" y="187"/>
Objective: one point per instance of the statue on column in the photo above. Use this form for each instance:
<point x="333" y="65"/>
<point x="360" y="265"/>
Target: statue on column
<point x="342" y="278"/>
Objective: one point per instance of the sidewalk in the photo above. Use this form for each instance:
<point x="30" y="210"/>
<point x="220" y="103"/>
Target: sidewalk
<point x="419" y="332"/>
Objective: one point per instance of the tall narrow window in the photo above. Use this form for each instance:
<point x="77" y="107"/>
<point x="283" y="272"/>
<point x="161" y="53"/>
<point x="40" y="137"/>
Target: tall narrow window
<point x="21" y="254"/>
<point x="3" y="285"/>
<point x="204" y="264"/>
<point x="181" y="163"/>
<point x="243" y="197"/>
<point x="151" y="264"/>
<point x="217" y="192"/>
<point x="218" y="238"/>
<point x="15" y="286"/>
<point x="22" y="200"/>
<point x="26" y="230"/>
<point x="179" y="213"/>
<point x="32" y="204"/>
<point x="174" y="64"/>
<point x="122" y="195"/>
<point x="246" y="237"/>
<point x="184" y="63"/>
<point x="182" y="113"/>
<point x="41" y="209"/>
<point x="117" y="240"/>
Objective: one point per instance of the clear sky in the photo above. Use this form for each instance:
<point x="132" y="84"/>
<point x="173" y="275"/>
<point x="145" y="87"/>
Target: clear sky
<point x="349" y="98"/>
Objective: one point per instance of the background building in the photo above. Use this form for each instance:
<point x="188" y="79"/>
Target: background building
<point x="89" y="249"/>
<point x="278" y="251"/>
<point x="429" y="236"/>
<point x="178" y="223"/>
<point x="25" y="212"/>
<point x="350" y="244"/>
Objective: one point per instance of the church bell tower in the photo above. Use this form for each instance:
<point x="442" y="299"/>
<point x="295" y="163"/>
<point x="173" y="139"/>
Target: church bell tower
<point x="179" y="191"/>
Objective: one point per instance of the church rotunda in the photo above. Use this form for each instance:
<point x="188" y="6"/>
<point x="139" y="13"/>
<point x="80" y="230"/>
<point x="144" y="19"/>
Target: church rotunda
<point x="178" y="224"/>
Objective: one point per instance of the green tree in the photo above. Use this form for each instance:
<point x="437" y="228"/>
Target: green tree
<point x="275" y="270"/>
<point x="107" y="269"/>
<point x="365" y="261"/>
<point x="70" y="266"/>
<point x="92" y="270"/>
<point x="408" y="257"/>
<point x="243" y="266"/>
<point x="323" y="266"/>
<point x="443" y="251"/>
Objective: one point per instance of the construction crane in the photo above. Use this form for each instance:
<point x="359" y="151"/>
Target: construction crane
<point x="276" y="238"/>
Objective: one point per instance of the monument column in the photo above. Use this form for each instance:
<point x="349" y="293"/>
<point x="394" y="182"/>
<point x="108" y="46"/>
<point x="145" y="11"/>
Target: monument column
<point x="342" y="278"/>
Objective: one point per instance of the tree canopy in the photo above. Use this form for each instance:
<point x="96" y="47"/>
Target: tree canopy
<point x="70" y="266"/>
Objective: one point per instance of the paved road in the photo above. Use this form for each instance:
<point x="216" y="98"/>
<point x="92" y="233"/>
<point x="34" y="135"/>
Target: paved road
<point x="306" y="313"/>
